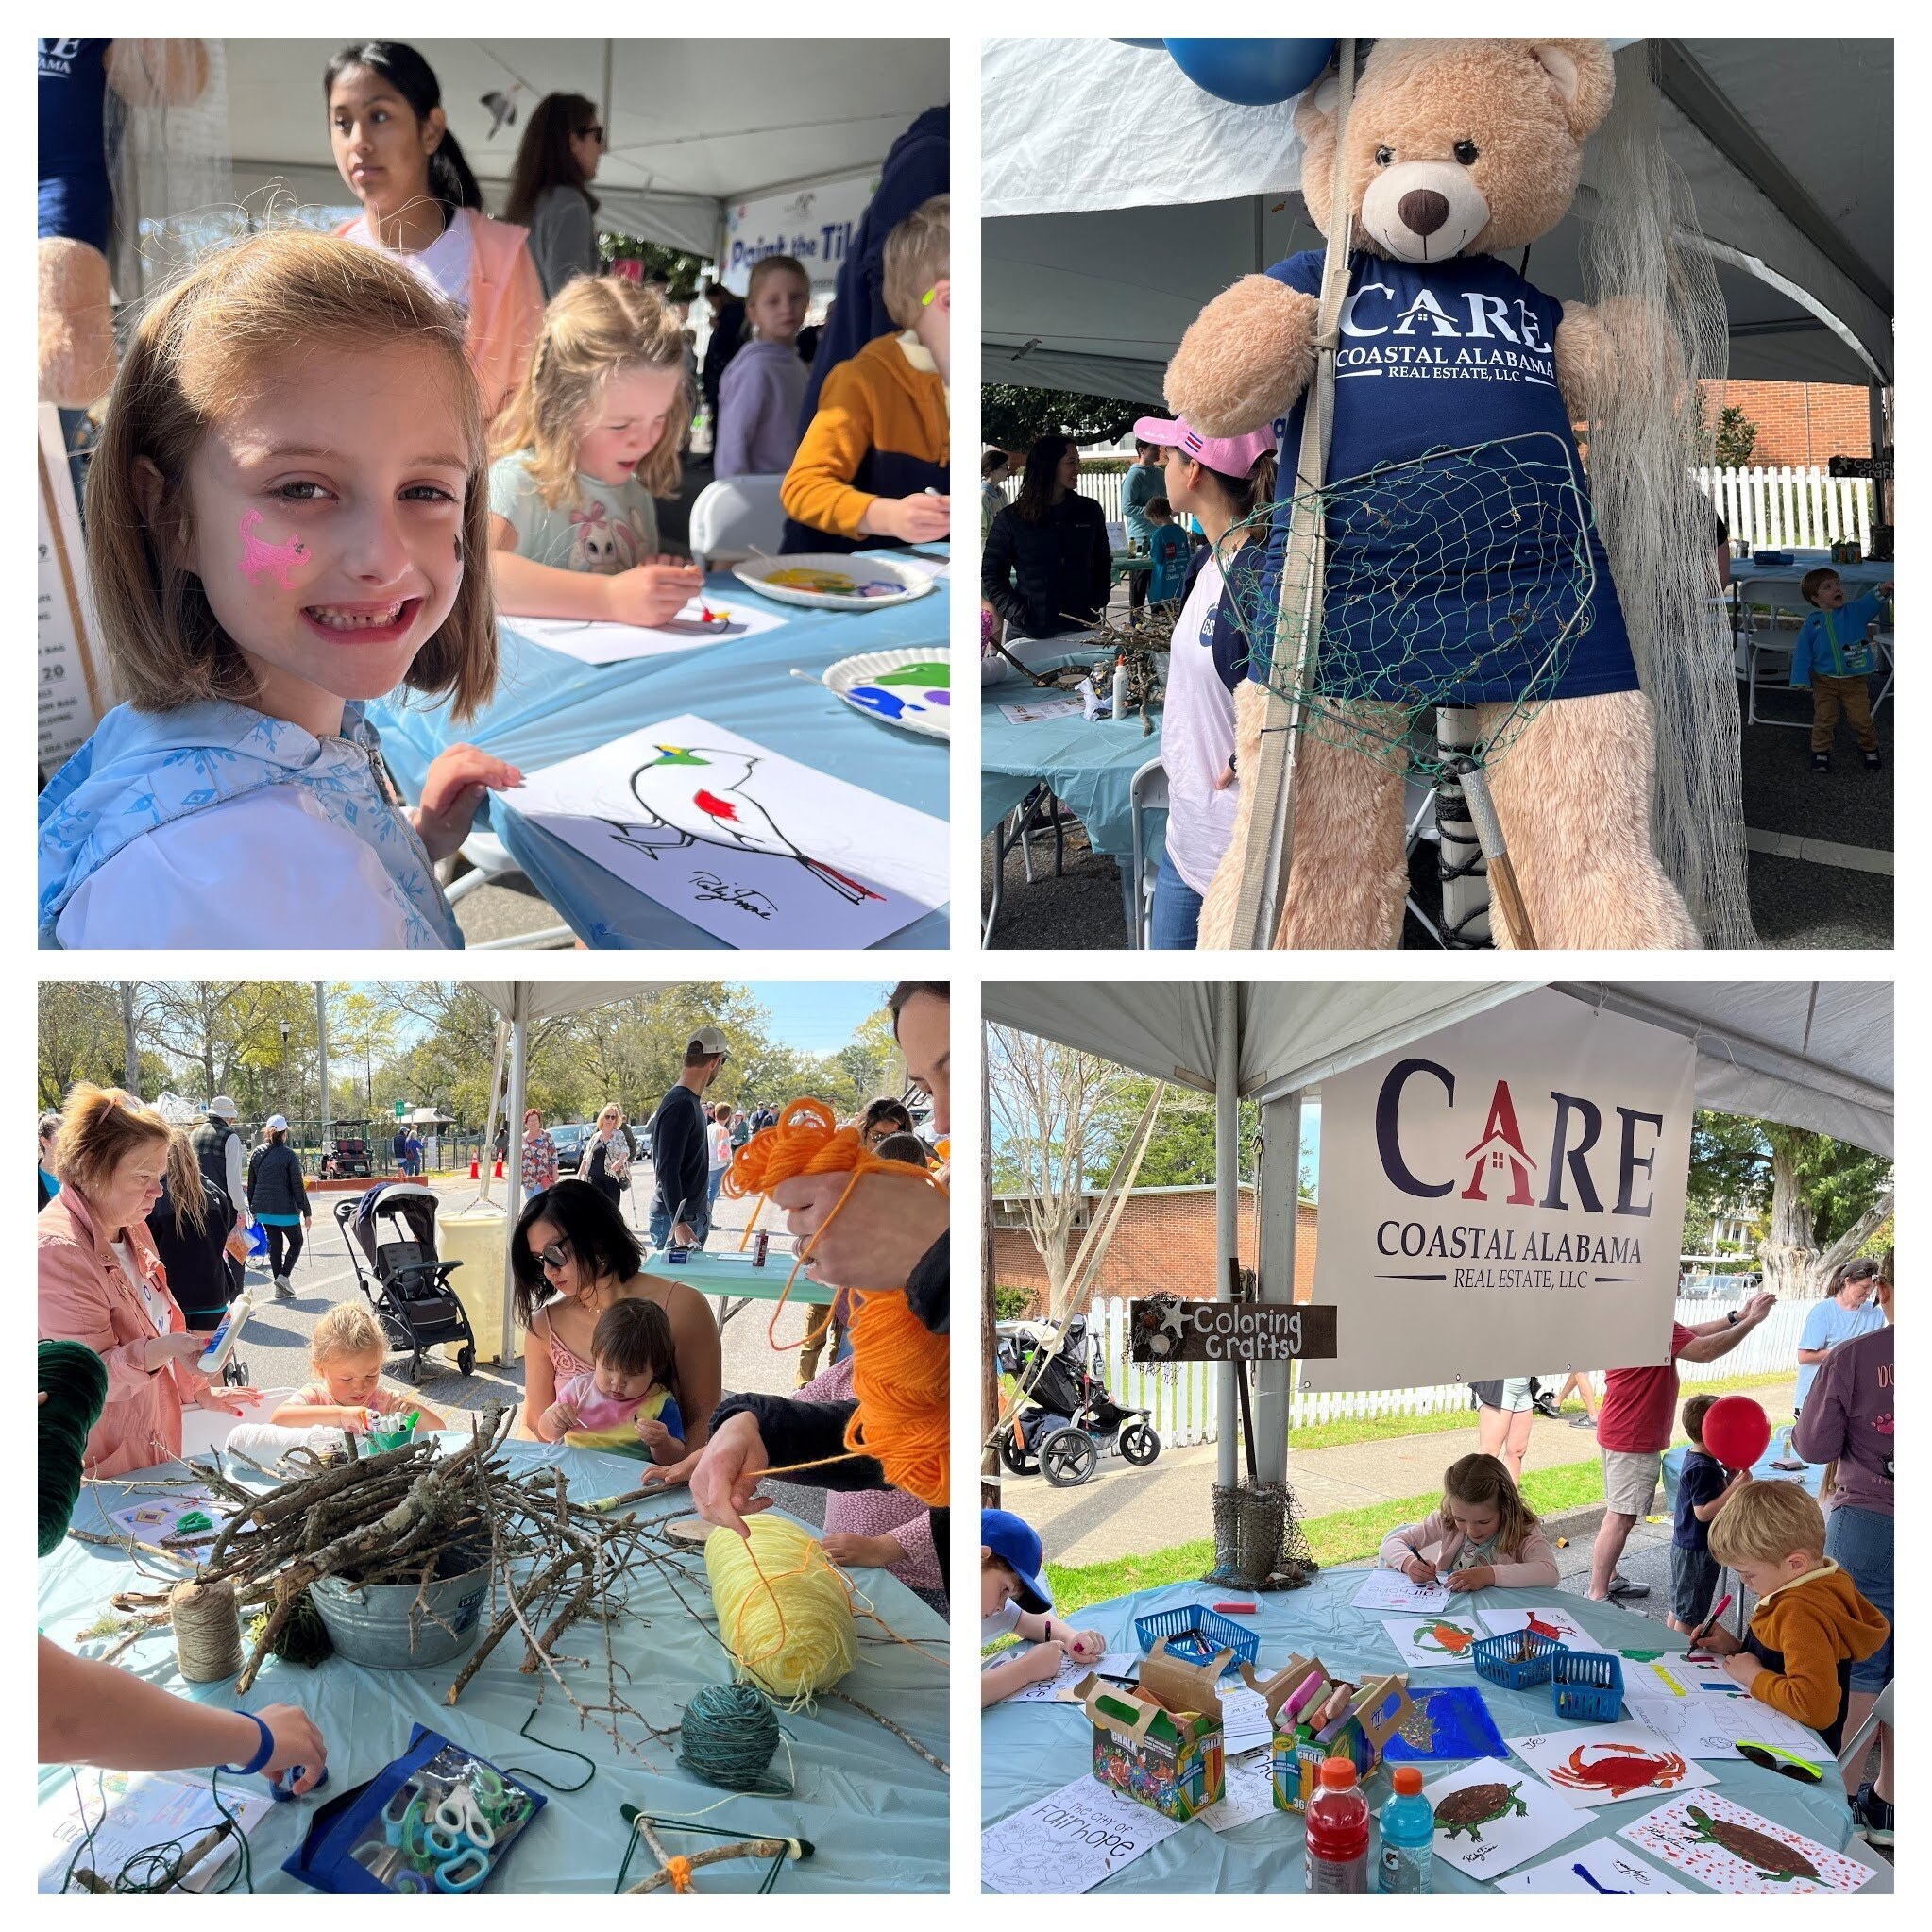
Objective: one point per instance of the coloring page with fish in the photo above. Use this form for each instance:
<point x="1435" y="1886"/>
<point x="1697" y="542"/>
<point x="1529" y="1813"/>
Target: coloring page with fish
<point x="1729" y="1848"/>
<point x="1445" y="1726"/>
<point x="1606" y="1764"/>
<point x="1491" y="1817"/>
<point x="1602" y="1866"/>
<point x="697" y="624"/>
<point x="755" y="848"/>
<point x="1430" y="1640"/>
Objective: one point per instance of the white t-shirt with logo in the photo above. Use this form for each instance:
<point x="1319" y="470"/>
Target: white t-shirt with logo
<point x="1197" y="739"/>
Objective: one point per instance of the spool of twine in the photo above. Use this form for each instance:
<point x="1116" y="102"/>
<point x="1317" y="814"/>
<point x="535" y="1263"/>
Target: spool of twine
<point x="74" y="1380"/>
<point x="208" y="1630"/>
<point x="728" y="1737"/>
<point x="783" y="1611"/>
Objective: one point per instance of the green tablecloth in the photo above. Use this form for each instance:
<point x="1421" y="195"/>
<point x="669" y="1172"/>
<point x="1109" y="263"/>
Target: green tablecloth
<point x="875" y="1812"/>
<point x="1029" y="1751"/>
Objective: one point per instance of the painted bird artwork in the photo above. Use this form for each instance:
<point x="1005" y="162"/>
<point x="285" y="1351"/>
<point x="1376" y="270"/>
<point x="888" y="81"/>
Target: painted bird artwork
<point x="695" y="795"/>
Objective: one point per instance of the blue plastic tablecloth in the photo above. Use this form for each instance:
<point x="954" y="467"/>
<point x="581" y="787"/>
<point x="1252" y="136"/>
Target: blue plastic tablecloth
<point x="875" y="1812"/>
<point x="1811" y="1477"/>
<point x="1089" y="768"/>
<point x="1029" y="1751"/>
<point x="550" y="708"/>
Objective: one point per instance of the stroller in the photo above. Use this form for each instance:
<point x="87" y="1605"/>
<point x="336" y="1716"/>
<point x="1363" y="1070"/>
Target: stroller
<point x="1067" y="1416"/>
<point x="409" y="1288"/>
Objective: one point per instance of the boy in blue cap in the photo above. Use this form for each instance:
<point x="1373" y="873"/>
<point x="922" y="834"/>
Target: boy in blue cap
<point x="1014" y="1599"/>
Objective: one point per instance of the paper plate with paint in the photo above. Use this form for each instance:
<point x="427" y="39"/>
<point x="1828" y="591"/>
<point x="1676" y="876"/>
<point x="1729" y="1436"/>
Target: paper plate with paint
<point x="860" y="580"/>
<point x="913" y="689"/>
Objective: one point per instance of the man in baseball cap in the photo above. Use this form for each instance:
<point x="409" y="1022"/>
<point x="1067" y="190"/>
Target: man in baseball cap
<point x="1013" y="1599"/>
<point x="681" y="1148"/>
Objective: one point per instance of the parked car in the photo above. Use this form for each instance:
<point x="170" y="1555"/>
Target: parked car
<point x="571" y="1142"/>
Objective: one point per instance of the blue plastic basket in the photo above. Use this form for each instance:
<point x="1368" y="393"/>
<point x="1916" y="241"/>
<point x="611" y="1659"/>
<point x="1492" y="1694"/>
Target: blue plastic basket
<point x="1194" y="1632"/>
<point x="1502" y="1659"/>
<point x="1587" y="1683"/>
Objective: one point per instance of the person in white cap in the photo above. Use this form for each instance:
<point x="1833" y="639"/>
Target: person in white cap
<point x="218" y="1154"/>
<point x="280" y="1200"/>
<point x="1218" y="480"/>
<point x="681" y="1148"/>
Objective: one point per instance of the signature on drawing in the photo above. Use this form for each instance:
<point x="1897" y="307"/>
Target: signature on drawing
<point x="709" y="886"/>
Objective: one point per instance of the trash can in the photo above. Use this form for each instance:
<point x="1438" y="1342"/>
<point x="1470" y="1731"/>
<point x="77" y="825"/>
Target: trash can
<point x="477" y="1236"/>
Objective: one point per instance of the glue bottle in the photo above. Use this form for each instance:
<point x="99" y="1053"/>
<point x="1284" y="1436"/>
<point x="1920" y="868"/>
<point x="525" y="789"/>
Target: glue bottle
<point x="1337" y="1831"/>
<point x="221" y="1344"/>
<point x="1408" y="1836"/>
<point x="1120" y="687"/>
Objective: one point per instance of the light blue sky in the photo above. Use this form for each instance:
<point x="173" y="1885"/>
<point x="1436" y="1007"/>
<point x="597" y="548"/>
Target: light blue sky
<point x="818" y="1016"/>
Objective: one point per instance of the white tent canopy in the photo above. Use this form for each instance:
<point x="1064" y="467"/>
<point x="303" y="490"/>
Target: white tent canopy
<point x="691" y="125"/>
<point x="1118" y="198"/>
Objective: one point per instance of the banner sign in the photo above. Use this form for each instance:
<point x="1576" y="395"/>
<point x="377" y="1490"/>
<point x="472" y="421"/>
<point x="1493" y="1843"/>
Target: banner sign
<point x="1166" y="1329"/>
<point x="1505" y="1197"/>
<point x="815" y="224"/>
<point x="74" y="688"/>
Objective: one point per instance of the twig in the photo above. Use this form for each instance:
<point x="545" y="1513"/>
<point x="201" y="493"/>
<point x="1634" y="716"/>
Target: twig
<point x="937" y="1764"/>
<point x="745" y="1848"/>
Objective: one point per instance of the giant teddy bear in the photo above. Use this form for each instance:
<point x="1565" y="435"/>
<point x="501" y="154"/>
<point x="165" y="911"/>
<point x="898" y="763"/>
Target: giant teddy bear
<point x="1455" y="153"/>
<point x="76" y="203"/>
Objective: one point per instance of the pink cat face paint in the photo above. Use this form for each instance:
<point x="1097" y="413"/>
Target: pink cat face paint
<point x="277" y="560"/>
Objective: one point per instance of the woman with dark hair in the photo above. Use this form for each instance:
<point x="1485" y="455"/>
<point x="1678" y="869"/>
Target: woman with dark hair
<point x="574" y="1259"/>
<point x="278" y="1198"/>
<point x="1053" y="541"/>
<point x="882" y="1118"/>
<point x="550" y="188"/>
<point x="421" y="204"/>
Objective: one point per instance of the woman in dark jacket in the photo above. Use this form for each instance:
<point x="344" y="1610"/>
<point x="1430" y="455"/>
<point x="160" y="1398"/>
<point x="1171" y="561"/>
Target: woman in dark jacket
<point x="1054" y="540"/>
<point x="278" y="1198"/>
<point x="190" y="1224"/>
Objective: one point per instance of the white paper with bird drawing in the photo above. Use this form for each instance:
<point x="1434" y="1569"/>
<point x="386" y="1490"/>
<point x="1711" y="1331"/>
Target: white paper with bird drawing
<point x="699" y="624"/>
<point x="755" y="848"/>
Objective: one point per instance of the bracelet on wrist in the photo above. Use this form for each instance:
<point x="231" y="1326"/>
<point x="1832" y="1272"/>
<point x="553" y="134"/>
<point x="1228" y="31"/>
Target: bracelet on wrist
<point x="264" y="1752"/>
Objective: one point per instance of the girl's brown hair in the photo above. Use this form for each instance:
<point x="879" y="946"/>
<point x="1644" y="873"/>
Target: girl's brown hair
<point x="597" y="327"/>
<point x="634" y="1338"/>
<point x="217" y="337"/>
<point x="544" y="159"/>
<point x="1484" y="1479"/>
<point x="100" y="1127"/>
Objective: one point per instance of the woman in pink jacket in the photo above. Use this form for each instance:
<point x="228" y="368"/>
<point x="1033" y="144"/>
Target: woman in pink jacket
<point x="102" y="1284"/>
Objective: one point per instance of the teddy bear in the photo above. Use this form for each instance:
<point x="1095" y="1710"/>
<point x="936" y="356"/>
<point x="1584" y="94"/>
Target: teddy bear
<point x="77" y="201"/>
<point x="1455" y="153"/>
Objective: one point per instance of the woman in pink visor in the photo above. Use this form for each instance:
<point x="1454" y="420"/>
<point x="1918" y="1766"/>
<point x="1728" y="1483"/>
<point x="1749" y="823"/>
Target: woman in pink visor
<point x="1218" y="480"/>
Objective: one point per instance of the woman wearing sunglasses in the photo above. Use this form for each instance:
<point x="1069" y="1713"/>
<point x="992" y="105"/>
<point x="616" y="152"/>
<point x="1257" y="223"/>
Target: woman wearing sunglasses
<point x="574" y="1259"/>
<point x="550" y="188"/>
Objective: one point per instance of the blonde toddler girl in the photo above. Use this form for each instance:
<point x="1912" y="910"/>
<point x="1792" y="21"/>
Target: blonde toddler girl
<point x="347" y="1351"/>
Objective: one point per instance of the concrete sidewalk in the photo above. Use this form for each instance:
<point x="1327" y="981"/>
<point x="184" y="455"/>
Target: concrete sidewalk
<point x="1124" y="1511"/>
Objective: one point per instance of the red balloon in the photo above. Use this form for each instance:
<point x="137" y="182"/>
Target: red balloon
<point x="1737" y="1431"/>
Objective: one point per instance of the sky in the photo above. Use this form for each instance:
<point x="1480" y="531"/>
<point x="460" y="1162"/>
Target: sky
<point x="818" y="1016"/>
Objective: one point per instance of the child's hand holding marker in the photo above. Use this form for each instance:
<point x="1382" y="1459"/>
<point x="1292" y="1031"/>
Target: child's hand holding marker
<point x="651" y="593"/>
<point x="1043" y="1663"/>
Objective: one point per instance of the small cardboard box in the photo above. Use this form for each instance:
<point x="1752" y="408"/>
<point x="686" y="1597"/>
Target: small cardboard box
<point x="1377" y="1709"/>
<point x="1160" y="1741"/>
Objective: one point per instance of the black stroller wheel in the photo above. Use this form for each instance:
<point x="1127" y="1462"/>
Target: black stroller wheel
<point x="1068" y="1458"/>
<point x="1138" y="1443"/>
<point x="234" y="1372"/>
<point x="465" y="1360"/>
<point x="1018" y="1458"/>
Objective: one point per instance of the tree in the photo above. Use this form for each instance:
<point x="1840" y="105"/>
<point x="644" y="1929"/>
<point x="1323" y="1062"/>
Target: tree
<point x="1180" y="1150"/>
<point x="362" y="1026"/>
<point x="79" y="1038"/>
<point x="1014" y="418"/>
<point x="1047" y="1104"/>
<point x="1735" y="437"/>
<point x="680" y="269"/>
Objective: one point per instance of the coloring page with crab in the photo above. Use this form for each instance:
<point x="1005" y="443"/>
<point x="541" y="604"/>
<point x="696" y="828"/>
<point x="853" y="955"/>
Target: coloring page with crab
<point x="1547" y="1619"/>
<point x="1606" y="1764"/>
<point x="1389" y="1589"/>
<point x="1730" y="1848"/>
<point x="1430" y="1640"/>
<point x="1491" y="1817"/>
<point x="1602" y="1866"/>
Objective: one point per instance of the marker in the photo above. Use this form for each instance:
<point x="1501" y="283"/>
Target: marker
<point x="1239" y="1609"/>
<point x="1705" y="1629"/>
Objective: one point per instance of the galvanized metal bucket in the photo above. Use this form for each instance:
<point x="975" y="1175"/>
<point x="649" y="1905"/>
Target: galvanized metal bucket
<point x="373" y="1625"/>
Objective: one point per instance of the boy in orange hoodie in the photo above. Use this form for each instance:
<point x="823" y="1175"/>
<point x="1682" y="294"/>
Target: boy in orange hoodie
<point x="1810" y="1624"/>
<point x="871" y="469"/>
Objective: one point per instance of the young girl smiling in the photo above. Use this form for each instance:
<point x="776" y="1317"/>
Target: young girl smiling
<point x="282" y="515"/>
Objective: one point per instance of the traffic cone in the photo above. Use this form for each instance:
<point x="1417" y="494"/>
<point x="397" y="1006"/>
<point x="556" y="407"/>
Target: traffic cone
<point x="499" y="1167"/>
<point x="473" y="1175"/>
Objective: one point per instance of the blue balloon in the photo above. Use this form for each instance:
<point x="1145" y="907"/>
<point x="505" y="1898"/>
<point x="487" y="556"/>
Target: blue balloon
<point x="1253" y="74"/>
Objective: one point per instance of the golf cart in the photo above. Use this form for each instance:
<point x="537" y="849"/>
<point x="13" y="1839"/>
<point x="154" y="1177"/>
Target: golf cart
<point x="345" y="1152"/>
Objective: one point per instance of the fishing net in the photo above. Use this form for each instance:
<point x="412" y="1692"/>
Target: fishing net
<point x="174" y="186"/>
<point x="1463" y="577"/>
<point x="1259" y="1540"/>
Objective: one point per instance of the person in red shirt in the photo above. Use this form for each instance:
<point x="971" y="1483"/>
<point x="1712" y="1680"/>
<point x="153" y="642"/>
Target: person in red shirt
<point x="1634" y="1430"/>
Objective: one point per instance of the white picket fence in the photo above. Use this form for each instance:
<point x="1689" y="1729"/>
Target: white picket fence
<point x="1184" y="1407"/>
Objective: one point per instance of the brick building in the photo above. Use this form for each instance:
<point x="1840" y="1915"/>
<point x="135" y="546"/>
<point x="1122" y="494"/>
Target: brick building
<point x="1164" y="1244"/>
<point x="1798" y="423"/>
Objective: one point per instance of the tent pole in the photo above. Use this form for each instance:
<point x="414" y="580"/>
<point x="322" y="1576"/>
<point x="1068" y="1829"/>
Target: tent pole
<point x="1227" y="1204"/>
<point x="513" y="1162"/>
<point x="609" y="96"/>
<point x="322" y="1048"/>
<point x="1281" y="1215"/>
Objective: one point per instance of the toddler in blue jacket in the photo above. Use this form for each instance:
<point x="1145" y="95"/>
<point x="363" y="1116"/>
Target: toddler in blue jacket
<point x="1832" y="659"/>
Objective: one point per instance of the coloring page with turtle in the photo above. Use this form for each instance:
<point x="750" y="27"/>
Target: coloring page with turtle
<point x="753" y="847"/>
<point x="1605" y="1763"/>
<point x="1729" y="1848"/>
<point x="1492" y="1816"/>
<point x="699" y="624"/>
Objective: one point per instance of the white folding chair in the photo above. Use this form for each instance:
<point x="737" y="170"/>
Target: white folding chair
<point x="1148" y="793"/>
<point x="1770" y="644"/>
<point x="1852" y="1753"/>
<point x="1881" y="642"/>
<point x="737" y="517"/>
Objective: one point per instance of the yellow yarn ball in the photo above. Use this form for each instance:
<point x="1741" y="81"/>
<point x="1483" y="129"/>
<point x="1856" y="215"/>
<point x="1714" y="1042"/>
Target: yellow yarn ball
<point x="784" y="1612"/>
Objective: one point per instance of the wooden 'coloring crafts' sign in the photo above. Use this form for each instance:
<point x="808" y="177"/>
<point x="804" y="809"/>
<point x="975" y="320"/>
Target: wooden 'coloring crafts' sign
<point x="1163" y="1327"/>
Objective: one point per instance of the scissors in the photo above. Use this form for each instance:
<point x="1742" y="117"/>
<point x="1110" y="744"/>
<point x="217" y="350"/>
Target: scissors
<point x="458" y="1823"/>
<point x="447" y="1848"/>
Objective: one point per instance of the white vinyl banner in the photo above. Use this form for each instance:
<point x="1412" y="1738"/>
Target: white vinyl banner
<point x="813" y="225"/>
<point x="1504" y="1198"/>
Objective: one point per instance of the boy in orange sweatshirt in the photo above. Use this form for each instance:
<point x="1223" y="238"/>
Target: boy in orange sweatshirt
<point x="871" y="469"/>
<point x="1810" y="1624"/>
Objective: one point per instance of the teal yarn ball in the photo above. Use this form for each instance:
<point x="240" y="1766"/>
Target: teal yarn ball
<point x="729" y="1735"/>
<point x="74" y="1382"/>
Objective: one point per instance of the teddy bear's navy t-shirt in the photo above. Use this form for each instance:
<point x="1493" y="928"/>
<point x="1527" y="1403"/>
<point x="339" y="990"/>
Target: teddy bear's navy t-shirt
<point x="1465" y="580"/>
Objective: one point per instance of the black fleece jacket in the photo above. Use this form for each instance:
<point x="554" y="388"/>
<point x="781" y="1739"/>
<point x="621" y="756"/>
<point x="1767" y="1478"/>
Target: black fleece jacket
<point x="1062" y="565"/>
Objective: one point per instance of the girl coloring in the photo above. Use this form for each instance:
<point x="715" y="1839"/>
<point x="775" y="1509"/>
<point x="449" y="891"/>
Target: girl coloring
<point x="1483" y="1537"/>
<point x="347" y="1351"/>
<point x="287" y="491"/>
<point x="590" y="439"/>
